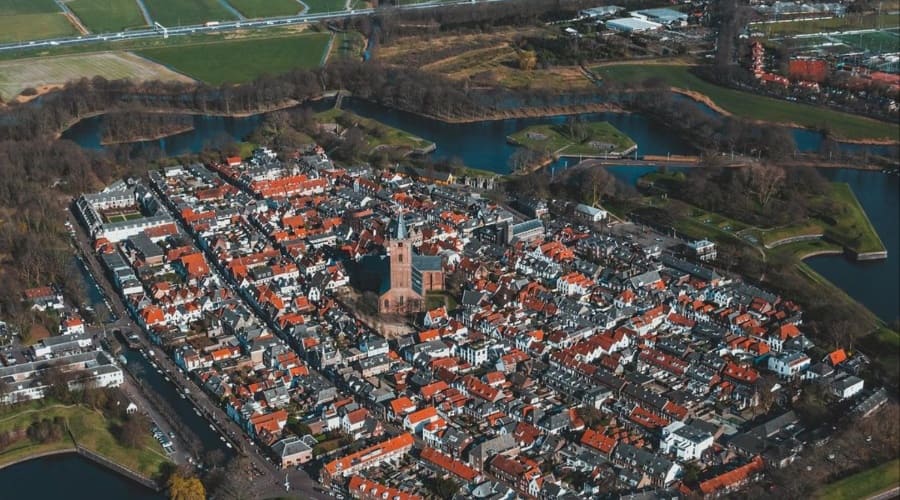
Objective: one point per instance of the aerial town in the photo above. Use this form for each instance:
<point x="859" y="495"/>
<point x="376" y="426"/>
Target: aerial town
<point x="392" y="332"/>
<point x="449" y="249"/>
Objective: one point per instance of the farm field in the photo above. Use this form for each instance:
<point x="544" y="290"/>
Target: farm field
<point x="316" y="6"/>
<point x="107" y="16"/>
<point x="754" y="107"/>
<point x="185" y="12"/>
<point x="32" y="20"/>
<point x="848" y="22"/>
<point x="242" y="60"/>
<point x="266" y="8"/>
<point x="17" y="75"/>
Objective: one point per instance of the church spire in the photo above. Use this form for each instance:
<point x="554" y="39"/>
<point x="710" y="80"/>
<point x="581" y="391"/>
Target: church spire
<point x="401" y="226"/>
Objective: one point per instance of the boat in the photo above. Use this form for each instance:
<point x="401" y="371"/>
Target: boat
<point x="123" y="359"/>
<point x="227" y="444"/>
<point x="212" y="427"/>
<point x="197" y="412"/>
<point x="223" y="439"/>
<point x="182" y="395"/>
<point x="168" y="379"/>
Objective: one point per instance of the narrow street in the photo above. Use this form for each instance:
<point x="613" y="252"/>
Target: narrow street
<point x="269" y="479"/>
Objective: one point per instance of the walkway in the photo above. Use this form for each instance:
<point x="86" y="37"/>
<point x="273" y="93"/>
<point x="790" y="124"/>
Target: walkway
<point x="72" y="17"/>
<point x="230" y="8"/>
<point x="145" y="12"/>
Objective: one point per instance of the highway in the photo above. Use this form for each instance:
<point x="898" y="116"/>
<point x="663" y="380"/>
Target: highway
<point x="159" y="31"/>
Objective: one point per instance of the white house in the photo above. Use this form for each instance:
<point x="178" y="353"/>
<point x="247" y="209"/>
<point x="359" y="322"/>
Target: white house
<point x="589" y="213"/>
<point x="789" y="365"/>
<point x="847" y="387"/>
<point x="685" y="441"/>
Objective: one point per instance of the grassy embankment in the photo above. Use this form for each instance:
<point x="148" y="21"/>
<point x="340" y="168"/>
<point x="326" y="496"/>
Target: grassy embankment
<point x="838" y="216"/>
<point x="752" y="106"/>
<point x="107" y="16"/>
<point x="316" y="6"/>
<point x="266" y="8"/>
<point x="596" y="140"/>
<point x="32" y="20"/>
<point x="376" y="133"/>
<point x="863" y="484"/>
<point x="186" y="12"/>
<point x="241" y="61"/>
<point x="90" y="429"/>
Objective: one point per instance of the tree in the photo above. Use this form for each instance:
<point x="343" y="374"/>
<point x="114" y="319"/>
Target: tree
<point x="764" y="181"/>
<point x="186" y="488"/>
<point x="133" y="430"/>
<point x="527" y="60"/>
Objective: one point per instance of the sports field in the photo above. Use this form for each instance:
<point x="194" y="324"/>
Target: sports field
<point x="848" y="22"/>
<point x="32" y="20"/>
<point x="266" y="8"/>
<point x="18" y="74"/>
<point x="106" y="16"/>
<point x="240" y="61"/>
<point x="754" y="107"/>
<point x="316" y="6"/>
<point x="185" y="12"/>
<point x="873" y="41"/>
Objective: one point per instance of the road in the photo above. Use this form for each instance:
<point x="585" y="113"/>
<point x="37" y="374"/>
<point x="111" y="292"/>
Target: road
<point x="269" y="480"/>
<point x="886" y="495"/>
<point x="159" y="31"/>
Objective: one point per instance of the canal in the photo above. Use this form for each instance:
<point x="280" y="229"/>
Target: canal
<point x="71" y="477"/>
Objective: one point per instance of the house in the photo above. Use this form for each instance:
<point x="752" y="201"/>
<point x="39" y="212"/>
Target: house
<point x="43" y="298"/>
<point x="415" y="421"/>
<point x="685" y="441"/>
<point x="71" y="325"/>
<point x="519" y="472"/>
<point x="789" y="365"/>
<point x="371" y="456"/>
<point x="847" y="387"/>
<point x="292" y="451"/>
<point x="589" y="213"/>
<point x="732" y="480"/>
<point x="364" y="489"/>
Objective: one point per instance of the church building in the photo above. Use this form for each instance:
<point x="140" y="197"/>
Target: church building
<point x="411" y="276"/>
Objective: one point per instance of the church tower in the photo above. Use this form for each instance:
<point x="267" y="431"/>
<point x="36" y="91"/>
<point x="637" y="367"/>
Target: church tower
<point x="400" y="251"/>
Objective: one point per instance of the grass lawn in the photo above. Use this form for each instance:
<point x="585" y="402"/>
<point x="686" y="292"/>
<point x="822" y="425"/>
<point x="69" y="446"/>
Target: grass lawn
<point x="853" y="228"/>
<point x="184" y="12"/>
<point x="755" y="107"/>
<point x="91" y="430"/>
<point x="385" y="135"/>
<point x="433" y="300"/>
<point x="241" y="61"/>
<point x="316" y="6"/>
<point x="598" y="138"/>
<point x="106" y="16"/>
<point x="865" y="483"/>
<point x="266" y="8"/>
<point x="32" y="20"/>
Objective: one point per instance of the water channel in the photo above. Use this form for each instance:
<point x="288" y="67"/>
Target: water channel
<point x="71" y="477"/>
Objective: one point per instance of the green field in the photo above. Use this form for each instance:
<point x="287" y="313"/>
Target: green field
<point x="865" y="483"/>
<point x="107" y="16"/>
<point x="873" y="41"/>
<point x="316" y="6"/>
<point x="184" y="12"/>
<point x="32" y="20"/>
<point x="241" y="61"/>
<point x="90" y="429"/>
<point x="755" y="107"/>
<point x="597" y="138"/>
<point x="266" y="8"/>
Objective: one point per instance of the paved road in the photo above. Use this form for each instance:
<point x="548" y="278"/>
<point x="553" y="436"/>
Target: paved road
<point x="220" y="26"/>
<point x="887" y="495"/>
